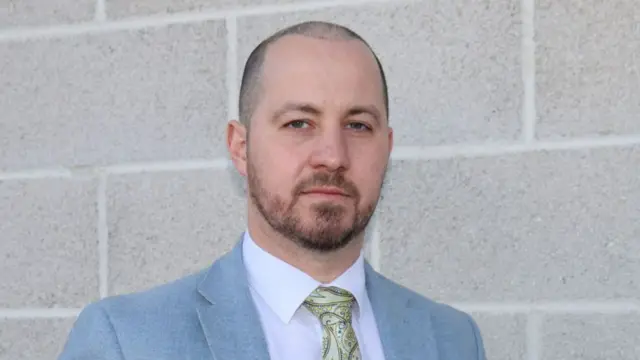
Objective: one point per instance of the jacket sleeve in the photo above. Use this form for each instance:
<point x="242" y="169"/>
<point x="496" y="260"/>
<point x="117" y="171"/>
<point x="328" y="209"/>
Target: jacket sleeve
<point x="92" y="337"/>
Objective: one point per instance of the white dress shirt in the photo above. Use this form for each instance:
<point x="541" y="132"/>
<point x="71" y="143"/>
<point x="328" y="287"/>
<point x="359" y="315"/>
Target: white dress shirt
<point x="292" y="332"/>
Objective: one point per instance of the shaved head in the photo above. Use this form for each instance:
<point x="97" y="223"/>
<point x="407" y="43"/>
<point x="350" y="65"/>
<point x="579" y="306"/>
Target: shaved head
<point x="250" y="87"/>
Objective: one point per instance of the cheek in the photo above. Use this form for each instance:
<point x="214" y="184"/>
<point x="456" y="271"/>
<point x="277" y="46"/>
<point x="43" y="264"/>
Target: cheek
<point x="370" y="188"/>
<point x="276" y="172"/>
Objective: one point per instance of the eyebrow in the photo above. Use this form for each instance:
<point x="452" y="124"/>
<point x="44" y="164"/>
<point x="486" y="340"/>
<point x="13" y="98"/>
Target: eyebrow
<point x="314" y="110"/>
<point x="366" y="109"/>
<point x="300" y="107"/>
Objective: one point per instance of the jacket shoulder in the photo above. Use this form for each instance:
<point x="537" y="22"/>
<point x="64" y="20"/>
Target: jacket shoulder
<point x="157" y="300"/>
<point x="456" y="332"/>
<point x="109" y="328"/>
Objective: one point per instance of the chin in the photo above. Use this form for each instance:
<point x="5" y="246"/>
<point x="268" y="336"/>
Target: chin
<point x="326" y="242"/>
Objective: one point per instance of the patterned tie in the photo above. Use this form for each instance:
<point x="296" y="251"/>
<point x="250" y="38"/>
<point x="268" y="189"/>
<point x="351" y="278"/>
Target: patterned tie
<point x="332" y="306"/>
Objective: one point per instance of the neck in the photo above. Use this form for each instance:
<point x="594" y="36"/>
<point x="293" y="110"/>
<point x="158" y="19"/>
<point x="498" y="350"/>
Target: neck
<point x="323" y="267"/>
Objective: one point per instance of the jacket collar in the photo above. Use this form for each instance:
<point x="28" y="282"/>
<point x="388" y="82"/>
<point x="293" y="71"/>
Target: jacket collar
<point x="229" y="318"/>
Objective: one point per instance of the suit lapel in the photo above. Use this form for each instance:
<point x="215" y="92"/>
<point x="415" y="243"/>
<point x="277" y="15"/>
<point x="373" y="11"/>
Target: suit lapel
<point x="405" y="327"/>
<point x="228" y="317"/>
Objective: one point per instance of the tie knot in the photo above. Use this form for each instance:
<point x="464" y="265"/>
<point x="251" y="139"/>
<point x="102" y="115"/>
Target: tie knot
<point x="330" y="304"/>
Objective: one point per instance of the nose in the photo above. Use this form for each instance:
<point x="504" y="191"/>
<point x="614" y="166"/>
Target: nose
<point x="330" y="150"/>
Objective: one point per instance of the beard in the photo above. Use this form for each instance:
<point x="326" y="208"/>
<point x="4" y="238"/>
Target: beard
<point x="326" y="231"/>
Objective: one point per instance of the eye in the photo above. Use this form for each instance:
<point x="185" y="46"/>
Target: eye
<point x="297" y="124"/>
<point x="359" y="126"/>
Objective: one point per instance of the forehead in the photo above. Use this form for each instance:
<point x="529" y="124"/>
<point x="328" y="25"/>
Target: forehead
<point x="329" y="72"/>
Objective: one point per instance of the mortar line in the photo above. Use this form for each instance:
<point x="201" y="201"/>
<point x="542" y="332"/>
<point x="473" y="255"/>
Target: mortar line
<point x="232" y="67"/>
<point x="37" y="313"/>
<point x="117" y="169"/>
<point x="101" y="12"/>
<point x="374" y="249"/>
<point x="534" y="336"/>
<point x="408" y="153"/>
<point x="483" y="150"/>
<point x="158" y="20"/>
<point x="528" y="71"/>
<point x="36" y="174"/>
<point x="553" y="307"/>
<point x="103" y="238"/>
<point x="126" y="168"/>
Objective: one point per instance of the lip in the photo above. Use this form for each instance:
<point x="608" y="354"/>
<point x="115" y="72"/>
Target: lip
<point x="326" y="191"/>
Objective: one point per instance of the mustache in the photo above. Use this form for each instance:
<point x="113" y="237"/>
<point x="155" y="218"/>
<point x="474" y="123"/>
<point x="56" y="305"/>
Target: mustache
<point x="328" y="179"/>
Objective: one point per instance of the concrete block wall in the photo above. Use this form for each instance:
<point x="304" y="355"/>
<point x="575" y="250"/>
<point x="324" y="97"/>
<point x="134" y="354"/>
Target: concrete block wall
<point x="514" y="191"/>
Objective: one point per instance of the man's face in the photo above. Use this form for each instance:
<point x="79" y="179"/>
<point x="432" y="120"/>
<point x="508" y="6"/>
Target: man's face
<point x="319" y="142"/>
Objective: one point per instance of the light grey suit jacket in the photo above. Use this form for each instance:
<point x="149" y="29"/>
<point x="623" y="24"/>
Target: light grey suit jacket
<point x="211" y="316"/>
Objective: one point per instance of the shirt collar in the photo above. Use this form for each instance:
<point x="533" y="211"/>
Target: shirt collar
<point x="284" y="287"/>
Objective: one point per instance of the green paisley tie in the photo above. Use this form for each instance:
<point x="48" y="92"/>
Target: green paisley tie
<point x="332" y="306"/>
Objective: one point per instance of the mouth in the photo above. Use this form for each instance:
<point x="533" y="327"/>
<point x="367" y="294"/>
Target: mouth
<point x="326" y="191"/>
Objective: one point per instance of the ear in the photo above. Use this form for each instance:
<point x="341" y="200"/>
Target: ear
<point x="237" y="145"/>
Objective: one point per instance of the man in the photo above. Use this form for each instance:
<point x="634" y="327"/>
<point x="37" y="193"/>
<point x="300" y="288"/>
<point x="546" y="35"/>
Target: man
<point x="313" y="141"/>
